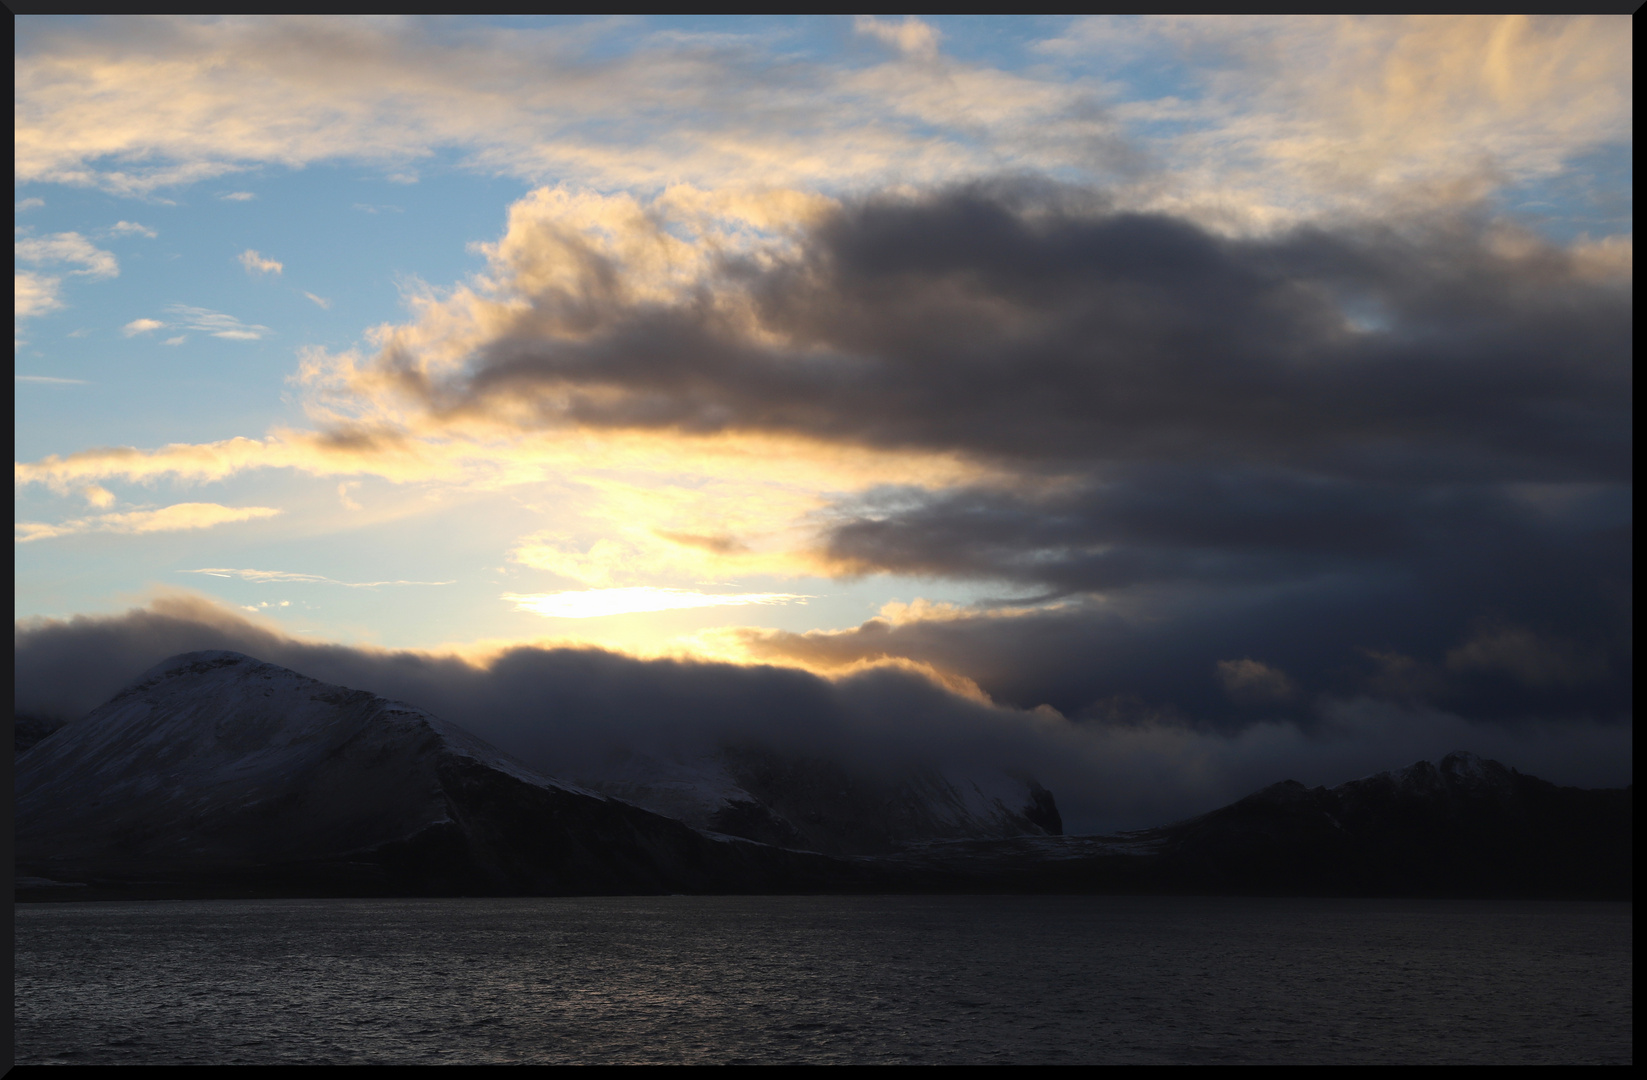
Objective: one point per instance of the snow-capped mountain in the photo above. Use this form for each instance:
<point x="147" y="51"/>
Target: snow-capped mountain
<point x="215" y="763"/>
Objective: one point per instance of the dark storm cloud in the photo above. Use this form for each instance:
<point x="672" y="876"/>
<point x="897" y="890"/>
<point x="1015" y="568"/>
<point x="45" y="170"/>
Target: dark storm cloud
<point x="1203" y="522"/>
<point x="1319" y="577"/>
<point x="1354" y="454"/>
<point x="1168" y="656"/>
<point x="566" y="710"/>
<point x="1029" y="325"/>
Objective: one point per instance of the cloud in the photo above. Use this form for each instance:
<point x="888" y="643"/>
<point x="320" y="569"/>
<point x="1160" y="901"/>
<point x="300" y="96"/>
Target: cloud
<point x="1405" y="632"/>
<point x="257" y="264"/>
<point x="175" y="518"/>
<point x="216" y="323"/>
<point x="25" y="205"/>
<point x="1363" y="112"/>
<point x="237" y="196"/>
<point x="1337" y="452"/>
<point x="1274" y="441"/>
<point x="97" y="496"/>
<point x="1249" y="121"/>
<point x="1034" y="326"/>
<point x="912" y="37"/>
<point x="307" y="451"/>
<point x="1252" y="681"/>
<point x="268" y="577"/>
<point x="130" y="228"/>
<point x="162" y="108"/>
<point x="49" y="379"/>
<point x="595" y="603"/>
<point x="1104" y="775"/>
<point x="70" y="248"/>
<point x="631" y="552"/>
<point x="320" y="301"/>
<point x="1534" y="661"/>
<point x="34" y="294"/>
<point x="386" y="454"/>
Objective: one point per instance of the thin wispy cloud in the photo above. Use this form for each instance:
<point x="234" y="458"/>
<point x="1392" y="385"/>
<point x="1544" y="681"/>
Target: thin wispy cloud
<point x="204" y="320"/>
<point x="49" y="379"/>
<point x="237" y="196"/>
<point x="215" y="323"/>
<point x="284" y="577"/>
<point x="175" y="518"/>
<point x="320" y="301"/>
<point x="132" y="228"/>
<point x="24" y="205"/>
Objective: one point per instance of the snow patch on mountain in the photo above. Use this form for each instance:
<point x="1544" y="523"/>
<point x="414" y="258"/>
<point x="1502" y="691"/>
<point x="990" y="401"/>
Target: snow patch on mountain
<point x="216" y="751"/>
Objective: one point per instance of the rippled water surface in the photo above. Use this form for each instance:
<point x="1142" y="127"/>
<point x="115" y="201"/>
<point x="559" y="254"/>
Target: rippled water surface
<point x="1043" y="979"/>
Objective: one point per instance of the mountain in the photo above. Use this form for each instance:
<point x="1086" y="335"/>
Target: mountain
<point x="26" y="730"/>
<point x="815" y="804"/>
<point x="1468" y="827"/>
<point x="217" y="769"/>
<point x="217" y="774"/>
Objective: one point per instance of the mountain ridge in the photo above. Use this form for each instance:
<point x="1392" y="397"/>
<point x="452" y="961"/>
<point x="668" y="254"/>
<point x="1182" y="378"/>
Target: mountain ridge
<point x="215" y="772"/>
<point x="216" y="767"/>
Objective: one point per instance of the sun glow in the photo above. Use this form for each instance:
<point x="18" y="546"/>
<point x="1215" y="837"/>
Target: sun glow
<point x="594" y="603"/>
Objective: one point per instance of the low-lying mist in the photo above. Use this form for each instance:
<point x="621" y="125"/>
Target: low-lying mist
<point x="568" y="711"/>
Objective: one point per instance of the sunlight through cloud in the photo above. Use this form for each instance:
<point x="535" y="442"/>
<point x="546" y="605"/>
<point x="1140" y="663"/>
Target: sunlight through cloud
<point x="593" y="603"/>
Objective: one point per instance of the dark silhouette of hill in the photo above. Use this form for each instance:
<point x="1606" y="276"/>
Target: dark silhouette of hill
<point x="217" y="774"/>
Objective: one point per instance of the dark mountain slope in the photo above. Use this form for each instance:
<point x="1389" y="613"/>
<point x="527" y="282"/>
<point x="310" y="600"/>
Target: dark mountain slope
<point x="1468" y="827"/>
<point x="217" y="768"/>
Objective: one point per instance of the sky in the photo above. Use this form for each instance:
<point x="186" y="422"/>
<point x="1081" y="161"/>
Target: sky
<point x="1173" y="404"/>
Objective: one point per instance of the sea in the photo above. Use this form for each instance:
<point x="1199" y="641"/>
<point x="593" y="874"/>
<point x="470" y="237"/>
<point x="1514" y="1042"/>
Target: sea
<point x="1056" y="980"/>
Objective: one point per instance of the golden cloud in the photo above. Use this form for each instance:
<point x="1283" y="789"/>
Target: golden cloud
<point x="1375" y="113"/>
<point x="187" y="100"/>
<point x="34" y="294"/>
<point x="177" y="517"/>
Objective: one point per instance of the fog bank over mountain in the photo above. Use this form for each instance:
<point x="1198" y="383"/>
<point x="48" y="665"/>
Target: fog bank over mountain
<point x="571" y="710"/>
